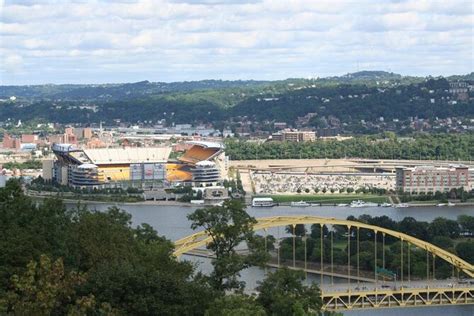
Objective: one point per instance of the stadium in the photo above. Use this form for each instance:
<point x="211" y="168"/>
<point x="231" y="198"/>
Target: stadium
<point x="204" y="164"/>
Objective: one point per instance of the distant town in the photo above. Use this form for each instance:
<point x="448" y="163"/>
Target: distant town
<point x="369" y="136"/>
<point x="186" y="163"/>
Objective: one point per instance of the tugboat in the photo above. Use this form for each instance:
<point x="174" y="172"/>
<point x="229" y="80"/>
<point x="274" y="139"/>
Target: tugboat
<point x="300" y="204"/>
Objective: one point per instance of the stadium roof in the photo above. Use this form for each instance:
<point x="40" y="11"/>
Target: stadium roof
<point x="87" y="166"/>
<point x="207" y="144"/>
<point x="128" y="155"/>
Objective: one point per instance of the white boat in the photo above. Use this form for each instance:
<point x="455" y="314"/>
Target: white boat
<point x="197" y="201"/>
<point x="402" y="205"/>
<point x="300" y="204"/>
<point x="440" y="204"/>
<point x="386" y="205"/>
<point x="358" y="203"/>
<point x="451" y="204"/>
<point x="263" y="202"/>
<point x="371" y="204"/>
<point x="343" y="205"/>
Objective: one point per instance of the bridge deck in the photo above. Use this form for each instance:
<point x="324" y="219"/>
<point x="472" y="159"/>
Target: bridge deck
<point x="396" y="297"/>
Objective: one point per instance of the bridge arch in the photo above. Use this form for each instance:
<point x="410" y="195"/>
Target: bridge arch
<point x="201" y="238"/>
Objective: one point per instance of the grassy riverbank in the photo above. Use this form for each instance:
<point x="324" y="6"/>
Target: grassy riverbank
<point x="120" y="198"/>
<point x="329" y="198"/>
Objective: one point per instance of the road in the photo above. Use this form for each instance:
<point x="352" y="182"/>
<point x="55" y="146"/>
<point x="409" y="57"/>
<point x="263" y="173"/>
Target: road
<point x="391" y="285"/>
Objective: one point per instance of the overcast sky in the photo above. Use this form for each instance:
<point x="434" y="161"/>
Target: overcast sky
<point x="175" y="40"/>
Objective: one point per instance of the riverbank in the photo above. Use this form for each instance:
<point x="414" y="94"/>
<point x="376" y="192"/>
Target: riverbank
<point x="283" y="202"/>
<point x="115" y="203"/>
<point x="336" y="199"/>
<point x="329" y="199"/>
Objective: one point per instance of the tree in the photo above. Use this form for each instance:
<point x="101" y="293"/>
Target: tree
<point x="106" y="261"/>
<point x="235" y="305"/>
<point x="283" y="293"/>
<point x="101" y="237"/>
<point x="444" y="227"/>
<point x="467" y="224"/>
<point x="300" y="230"/>
<point x="159" y="283"/>
<point x="46" y="289"/>
<point x="228" y="226"/>
<point x="199" y="195"/>
<point x="28" y="230"/>
<point x="412" y="227"/>
<point x="384" y="221"/>
<point x="443" y="242"/>
<point x="316" y="231"/>
<point x="465" y="250"/>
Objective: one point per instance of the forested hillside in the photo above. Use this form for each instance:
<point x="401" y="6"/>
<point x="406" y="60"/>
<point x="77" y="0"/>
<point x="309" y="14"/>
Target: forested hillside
<point x="347" y="100"/>
<point x="422" y="146"/>
<point x="108" y="92"/>
<point x="117" y="91"/>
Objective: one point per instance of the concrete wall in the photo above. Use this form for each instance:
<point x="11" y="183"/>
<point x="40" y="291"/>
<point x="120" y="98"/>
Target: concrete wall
<point x="48" y="170"/>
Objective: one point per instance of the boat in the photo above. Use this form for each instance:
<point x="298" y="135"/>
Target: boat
<point x="451" y="204"/>
<point x="370" y="204"/>
<point x="386" y="205"/>
<point x="300" y="204"/>
<point x="402" y="205"/>
<point x="343" y="205"/>
<point x="263" y="202"/>
<point x="358" y="203"/>
<point x="197" y="201"/>
<point x="441" y="204"/>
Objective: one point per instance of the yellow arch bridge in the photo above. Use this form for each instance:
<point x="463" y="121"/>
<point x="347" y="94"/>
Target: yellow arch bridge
<point x="374" y="294"/>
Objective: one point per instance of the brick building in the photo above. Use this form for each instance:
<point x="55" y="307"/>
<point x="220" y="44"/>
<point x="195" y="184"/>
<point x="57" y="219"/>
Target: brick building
<point x="430" y="179"/>
<point x="294" y="136"/>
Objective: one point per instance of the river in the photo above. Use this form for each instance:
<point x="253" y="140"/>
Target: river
<point x="171" y="222"/>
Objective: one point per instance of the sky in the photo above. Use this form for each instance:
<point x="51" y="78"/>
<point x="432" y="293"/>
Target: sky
<point x="64" y="41"/>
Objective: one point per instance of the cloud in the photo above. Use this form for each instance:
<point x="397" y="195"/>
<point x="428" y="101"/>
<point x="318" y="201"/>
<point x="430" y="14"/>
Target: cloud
<point x="160" y="40"/>
<point x="13" y="63"/>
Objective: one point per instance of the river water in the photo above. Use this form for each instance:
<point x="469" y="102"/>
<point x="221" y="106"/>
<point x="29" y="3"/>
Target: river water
<point x="171" y="222"/>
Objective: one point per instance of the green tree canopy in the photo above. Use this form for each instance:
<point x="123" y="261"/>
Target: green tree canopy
<point x="93" y="258"/>
<point x="283" y="293"/>
<point x="465" y="250"/>
<point x="228" y="226"/>
<point x="236" y="305"/>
